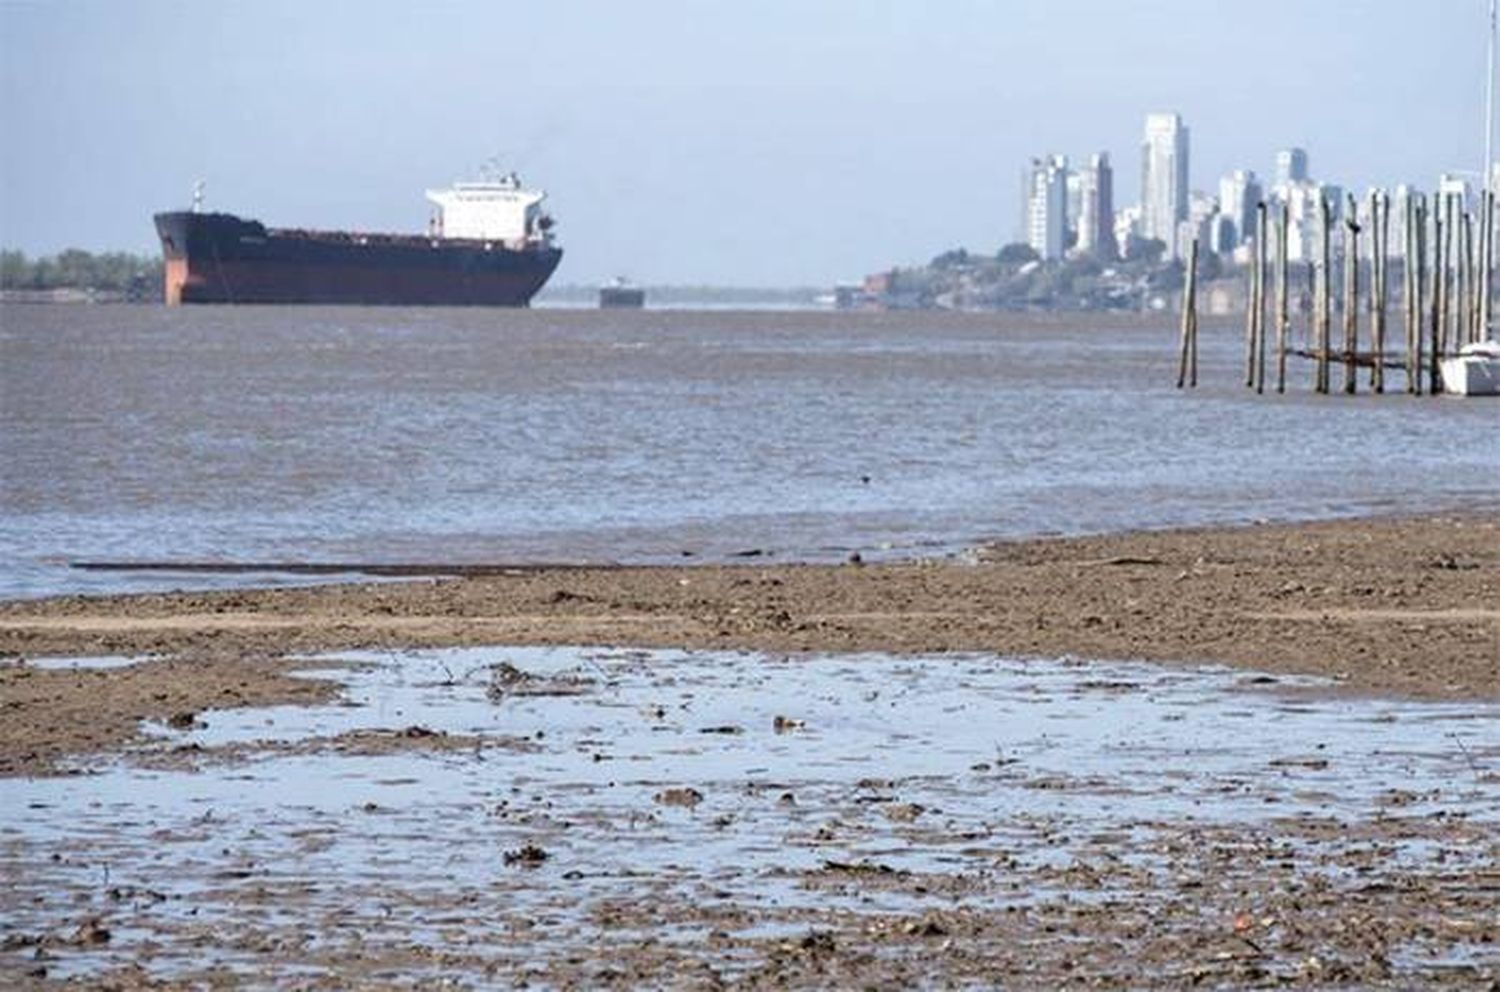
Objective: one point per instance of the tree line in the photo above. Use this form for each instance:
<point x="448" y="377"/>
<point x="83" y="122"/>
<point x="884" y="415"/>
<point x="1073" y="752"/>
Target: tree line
<point x="78" y="269"/>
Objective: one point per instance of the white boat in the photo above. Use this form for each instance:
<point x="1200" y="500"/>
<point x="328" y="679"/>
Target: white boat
<point x="1474" y="371"/>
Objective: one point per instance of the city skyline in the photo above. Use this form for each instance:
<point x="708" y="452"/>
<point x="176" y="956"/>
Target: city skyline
<point x="792" y="144"/>
<point x="1174" y="210"/>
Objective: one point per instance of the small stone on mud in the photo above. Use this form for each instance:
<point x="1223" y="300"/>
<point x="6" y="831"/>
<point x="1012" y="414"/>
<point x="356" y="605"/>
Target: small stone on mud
<point x="818" y="942"/>
<point x="925" y="928"/>
<point x="903" y="812"/>
<point x="787" y="799"/>
<point x="91" y="931"/>
<point x="679" y="797"/>
<point x="529" y="854"/>
<point x="186" y="720"/>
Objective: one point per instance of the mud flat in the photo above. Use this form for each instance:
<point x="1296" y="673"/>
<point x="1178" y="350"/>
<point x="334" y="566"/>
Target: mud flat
<point x="588" y="817"/>
<point x="882" y="775"/>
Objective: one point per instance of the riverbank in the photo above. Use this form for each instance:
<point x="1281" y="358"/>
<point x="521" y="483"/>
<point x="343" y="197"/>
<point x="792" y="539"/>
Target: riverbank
<point x="1397" y="607"/>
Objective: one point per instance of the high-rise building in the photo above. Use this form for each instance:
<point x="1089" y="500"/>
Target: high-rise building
<point x="1221" y="235"/>
<point x="1127" y="227"/>
<point x="1305" y="215"/>
<point x="1075" y="207"/>
<point x="1164" y="178"/>
<point x="1239" y="192"/>
<point x="1291" y="167"/>
<point x="1047" y="206"/>
<point x="1203" y="210"/>
<point x="1096" y="209"/>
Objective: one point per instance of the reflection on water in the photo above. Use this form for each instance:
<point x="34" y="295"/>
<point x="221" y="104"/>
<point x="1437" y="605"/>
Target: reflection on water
<point x="400" y="435"/>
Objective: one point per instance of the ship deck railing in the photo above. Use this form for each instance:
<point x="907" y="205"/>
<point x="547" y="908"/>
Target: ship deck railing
<point x="407" y="240"/>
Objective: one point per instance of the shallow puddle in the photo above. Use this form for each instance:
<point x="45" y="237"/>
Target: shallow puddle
<point x="82" y="664"/>
<point x="573" y="800"/>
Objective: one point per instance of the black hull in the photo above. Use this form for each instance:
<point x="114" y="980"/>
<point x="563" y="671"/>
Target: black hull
<point x="220" y="258"/>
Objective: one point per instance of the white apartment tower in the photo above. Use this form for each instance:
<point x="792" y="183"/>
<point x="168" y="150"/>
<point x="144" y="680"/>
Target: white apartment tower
<point x="1047" y="206"/>
<point x="1164" y="178"/>
<point x="1096" y="209"/>
<point x="1239" y="192"/>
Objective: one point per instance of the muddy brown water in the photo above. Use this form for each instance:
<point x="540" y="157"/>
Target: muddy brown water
<point x="389" y="435"/>
<point x="615" y="816"/>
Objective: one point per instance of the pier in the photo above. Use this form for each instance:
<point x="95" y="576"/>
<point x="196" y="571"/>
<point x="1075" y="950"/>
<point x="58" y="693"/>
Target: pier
<point x="1445" y="264"/>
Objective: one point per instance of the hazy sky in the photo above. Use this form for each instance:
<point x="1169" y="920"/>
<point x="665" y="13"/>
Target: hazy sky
<point x="740" y="143"/>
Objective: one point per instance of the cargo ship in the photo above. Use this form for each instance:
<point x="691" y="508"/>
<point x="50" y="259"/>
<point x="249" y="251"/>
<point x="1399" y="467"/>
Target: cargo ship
<point x="488" y="244"/>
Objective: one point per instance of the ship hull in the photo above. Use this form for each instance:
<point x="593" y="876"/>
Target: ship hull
<point x="220" y="258"/>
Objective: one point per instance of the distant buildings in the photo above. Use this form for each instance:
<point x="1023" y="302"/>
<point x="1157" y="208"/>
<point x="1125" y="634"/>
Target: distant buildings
<point x="1164" y="179"/>
<point x="1291" y="167"/>
<point x="1400" y="201"/>
<point x="1303" y="197"/>
<point x="1047" y="206"/>
<point x="1127" y="226"/>
<point x="1071" y="213"/>
<point x="1239" y="192"/>
<point x="1096" y="209"/>
<point x="1456" y="187"/>
<point x="1203" y="215"/>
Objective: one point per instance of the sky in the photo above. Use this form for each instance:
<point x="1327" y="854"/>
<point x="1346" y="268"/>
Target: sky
<point x="774" y="143"/>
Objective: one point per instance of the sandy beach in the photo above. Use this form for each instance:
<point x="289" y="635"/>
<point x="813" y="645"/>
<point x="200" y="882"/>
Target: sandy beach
<point x="1400" y="610"/>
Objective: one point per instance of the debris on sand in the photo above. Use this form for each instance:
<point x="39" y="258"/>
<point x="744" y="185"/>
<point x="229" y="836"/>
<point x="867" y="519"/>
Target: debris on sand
<point x="507" y="680"/>
<point x="687" y="798"/>
<point x="859" y="868"/>
<point x="903" y="812"/>
<point x="818" y="942"/>
<point x="91" y="932"/>
<point x="527" y="856"/>
<point x="186" y="720"/>
<point x="927" y="927"/>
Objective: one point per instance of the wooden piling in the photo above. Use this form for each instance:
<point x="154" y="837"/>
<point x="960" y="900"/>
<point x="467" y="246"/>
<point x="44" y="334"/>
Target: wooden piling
<point x="1435" y="317"/>
<point x="1464" y="279"/>
<point x="1262" y="253"/>
<point x="1449" y="272"/>
<point x="1252" y="316"/>
<point x="1408" y="277"/>
<point x="1325" y="303"/>
<point x="1351" y="293"/>
<point x="1187" y="359"/>
<point x="1480" y="269"/>
<point x="1476" y="274"/>
<point x="1419" y="311"/>
<point x="1380" y="233"/>
<point x="1283" y="323"/>
<point x="1486" y="260"/>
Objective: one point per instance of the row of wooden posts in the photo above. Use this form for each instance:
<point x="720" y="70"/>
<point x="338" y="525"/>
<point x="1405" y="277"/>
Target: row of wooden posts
<point x="1447" y="267"/>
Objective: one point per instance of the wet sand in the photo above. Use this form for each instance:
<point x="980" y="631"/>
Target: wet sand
<point x="1407" y="607"/>
<point x="1390" y="887"/>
